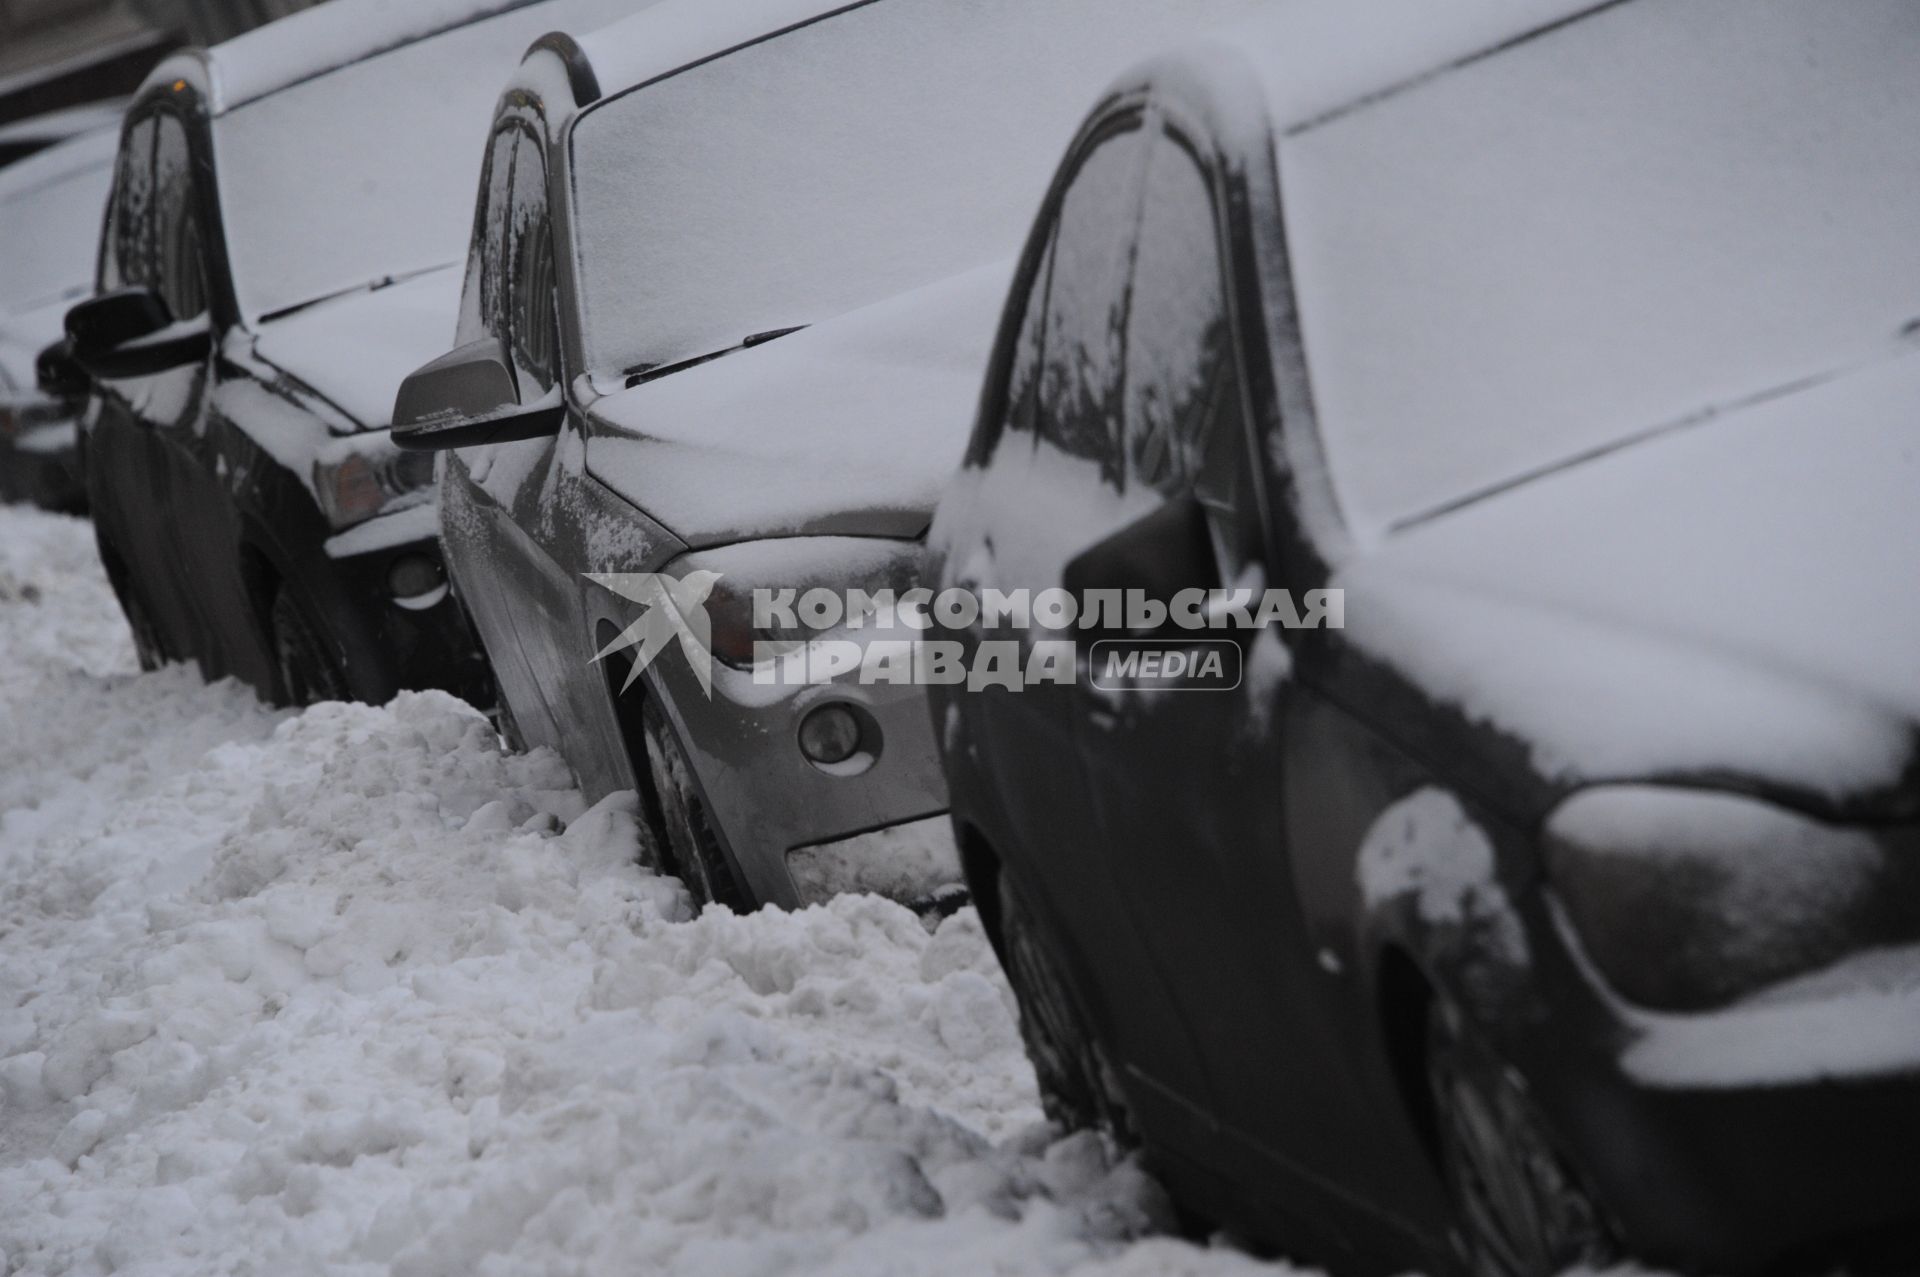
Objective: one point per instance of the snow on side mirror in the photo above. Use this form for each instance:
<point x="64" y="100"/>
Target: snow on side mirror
<point x="469" y="396"/>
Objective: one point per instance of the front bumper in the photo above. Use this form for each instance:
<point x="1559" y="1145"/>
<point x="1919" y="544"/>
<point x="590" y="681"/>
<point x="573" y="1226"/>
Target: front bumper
<point x="1754" y="1140"/>
<point x="791" y="826"/>
<point x="420" y="642"/>
<point x="40" y="461"/>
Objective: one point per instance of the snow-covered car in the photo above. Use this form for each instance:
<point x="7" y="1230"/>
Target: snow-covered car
<point x="1564" y="899"/>
<point x="279" y="251"/>
<point x="724" y="320"/>
<point x="30" y="136"/>
<point x="51" y="207"/>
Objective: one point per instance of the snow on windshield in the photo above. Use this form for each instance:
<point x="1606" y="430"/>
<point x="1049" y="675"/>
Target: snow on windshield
<point x="60" y="218"/>
<point x="320" y="191"/>
<point x="859" y="157"/>
<point x="1661" y="208"/>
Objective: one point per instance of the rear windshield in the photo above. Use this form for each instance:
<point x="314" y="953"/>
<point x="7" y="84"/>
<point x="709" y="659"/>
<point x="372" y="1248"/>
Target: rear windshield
<point x="1660" y="209"/>
<point x="866" y="154"/>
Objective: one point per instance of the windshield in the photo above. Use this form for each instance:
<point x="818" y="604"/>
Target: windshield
<point x="1662" y="208"/>
<point x="370" y="171"/>
<point x="61" y="220"/>
<point x="856" y="158"/>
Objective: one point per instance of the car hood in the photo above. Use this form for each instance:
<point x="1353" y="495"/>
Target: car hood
<point x="1739" y="597"/>
<point x="850" y="427"/>
<point x="356" y="348"/>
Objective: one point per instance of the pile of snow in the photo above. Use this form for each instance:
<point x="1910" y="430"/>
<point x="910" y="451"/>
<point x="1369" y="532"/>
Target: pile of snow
<point x="353" y="989"/>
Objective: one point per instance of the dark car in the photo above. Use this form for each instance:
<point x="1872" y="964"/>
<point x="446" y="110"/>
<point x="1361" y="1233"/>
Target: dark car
<point x="633" y="393"/>
<point x="278" y="253"/>
<point x="1565" y="900"/>
<point x="50" y="211"/>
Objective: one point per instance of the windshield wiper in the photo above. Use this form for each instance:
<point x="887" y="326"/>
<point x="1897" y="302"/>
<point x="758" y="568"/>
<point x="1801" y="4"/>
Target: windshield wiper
<point x="641" y="373"/>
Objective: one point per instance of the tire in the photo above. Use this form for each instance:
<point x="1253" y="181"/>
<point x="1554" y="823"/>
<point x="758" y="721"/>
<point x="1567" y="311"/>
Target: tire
<point x="692" y="849"/>
<point x="1077" y="1088"/>
<point x="1520" y="1207"/>
<point x="310" y="670"/>
<point x="146" y="635"/>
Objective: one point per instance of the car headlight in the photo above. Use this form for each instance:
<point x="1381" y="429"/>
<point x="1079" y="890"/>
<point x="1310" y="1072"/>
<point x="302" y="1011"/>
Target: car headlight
<point x="762" y="582"/>
<point x="367" y="476"/>
<point x="1687" y="899"/>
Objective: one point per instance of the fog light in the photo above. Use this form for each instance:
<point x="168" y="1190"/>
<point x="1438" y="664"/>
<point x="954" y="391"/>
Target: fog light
<point x="413" y="575"/>
<point x="830" y="734"/>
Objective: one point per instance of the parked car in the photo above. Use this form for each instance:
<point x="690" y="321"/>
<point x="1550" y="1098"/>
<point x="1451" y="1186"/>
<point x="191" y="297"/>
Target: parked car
<point x="1566" y="898"/>
<point x="279" y="251"/>
<point x="30" y="136"/>
<point x="53" y="202"/>
<point x="657" y="226"/>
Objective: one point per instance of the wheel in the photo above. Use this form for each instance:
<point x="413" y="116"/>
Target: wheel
<point x="310" y="668"/>
<point x="1520" y="1208"/>
<point x="146" y="635"/>
<point x="147" y="647"/>
<point x="1077" y="1089"/>
<point x="692" y="848"/>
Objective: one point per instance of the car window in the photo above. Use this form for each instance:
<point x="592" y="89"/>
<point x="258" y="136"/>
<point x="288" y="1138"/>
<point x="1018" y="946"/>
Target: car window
<point x="180" y="261"/>
<point x="1183" y="423"/>
<point x="128" y="260"/>
<point x="1083" y="334"/>
<point x="490" y="234"/>
<point x="529" y="266"/>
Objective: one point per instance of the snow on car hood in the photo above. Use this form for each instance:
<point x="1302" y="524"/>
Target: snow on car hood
<point x="1739" y="595"/>
<point x="850" y="427"/>
<point x="357" y="348"/>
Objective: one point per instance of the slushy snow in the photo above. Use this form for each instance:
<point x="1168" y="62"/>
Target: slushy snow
<point x="353" y="990"/>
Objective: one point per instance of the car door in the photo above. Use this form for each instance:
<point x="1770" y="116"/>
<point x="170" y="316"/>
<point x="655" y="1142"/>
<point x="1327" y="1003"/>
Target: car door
<point x="130" y="473"/>
<point x="488" y="553"/>
<point x="1047" y="489"/>
<point x="201" y="514"/>
<point x="1188" y="781"/>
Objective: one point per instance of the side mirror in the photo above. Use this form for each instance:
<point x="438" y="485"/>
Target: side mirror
<point x="130" y="332"/>
<point x="466" y="397"/>
<point x="58" y="374"/>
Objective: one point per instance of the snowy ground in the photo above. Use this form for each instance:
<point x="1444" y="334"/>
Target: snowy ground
<point x="353" y="991"/>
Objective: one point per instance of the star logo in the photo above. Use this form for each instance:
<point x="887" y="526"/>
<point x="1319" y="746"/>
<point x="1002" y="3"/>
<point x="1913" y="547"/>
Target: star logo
<point x="676" y="607"/>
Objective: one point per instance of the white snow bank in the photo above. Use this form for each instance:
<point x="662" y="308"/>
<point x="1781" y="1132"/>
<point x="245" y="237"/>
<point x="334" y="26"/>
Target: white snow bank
<point x="354" y="991"/>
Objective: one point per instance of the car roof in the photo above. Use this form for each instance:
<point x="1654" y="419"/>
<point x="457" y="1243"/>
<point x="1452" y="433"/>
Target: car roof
<point x="91" y="150"/>
<point x="1317" y="58"/>
<point x="675" y="34"/>
<point x="313" y="42"/>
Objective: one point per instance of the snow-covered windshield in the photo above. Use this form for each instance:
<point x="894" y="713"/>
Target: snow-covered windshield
<point x="869" y="153"/>
<point x="60" y="220"/>
<point x="1618" y="224"/>
<point x="370" y="171"/>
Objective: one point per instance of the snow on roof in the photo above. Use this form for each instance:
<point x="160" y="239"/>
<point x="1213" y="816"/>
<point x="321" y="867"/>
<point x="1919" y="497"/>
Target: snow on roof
<point x="677" y="33"/>
<point x="314" y="41"/>
<point x="1317" y="56"/>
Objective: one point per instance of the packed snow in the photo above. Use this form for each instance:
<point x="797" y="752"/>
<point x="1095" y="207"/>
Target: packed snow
<point x="353" y="990"/>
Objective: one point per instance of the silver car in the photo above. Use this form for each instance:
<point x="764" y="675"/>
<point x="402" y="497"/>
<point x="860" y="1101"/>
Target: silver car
<point x="727" y="306"/>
